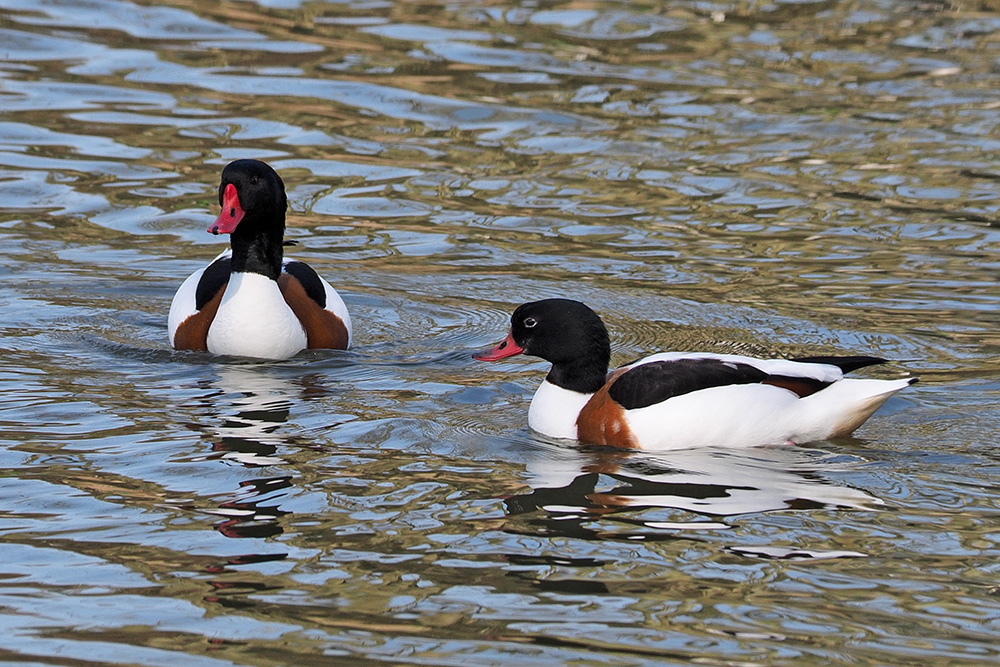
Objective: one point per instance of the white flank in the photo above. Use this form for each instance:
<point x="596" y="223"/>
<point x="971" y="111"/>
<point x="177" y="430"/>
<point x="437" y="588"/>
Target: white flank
<point x="248" y="314"/>
<point x="184" y="304"/>
<point x="749" y="415"/>
<point x="336" y="305"/>
<point x="254" y="321"/>
<point x="731" y="416"/>
<point x="554" y="410"/>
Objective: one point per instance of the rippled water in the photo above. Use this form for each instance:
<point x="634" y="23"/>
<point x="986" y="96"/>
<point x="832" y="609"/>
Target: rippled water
<point x="786" y="177"/>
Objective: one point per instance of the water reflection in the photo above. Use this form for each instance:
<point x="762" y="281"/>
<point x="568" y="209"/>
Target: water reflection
<point x="250" y="515"/>
<point x="706" y="486"/>
<point x="251" y="403"/>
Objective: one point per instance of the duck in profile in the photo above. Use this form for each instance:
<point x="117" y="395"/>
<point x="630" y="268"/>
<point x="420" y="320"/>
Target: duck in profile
<point x="681" y="400"/>
<point x="251" y="301"/>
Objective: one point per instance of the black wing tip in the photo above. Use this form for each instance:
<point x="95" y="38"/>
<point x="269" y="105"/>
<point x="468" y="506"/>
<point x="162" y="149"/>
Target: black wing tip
<point x="845" y="364"/>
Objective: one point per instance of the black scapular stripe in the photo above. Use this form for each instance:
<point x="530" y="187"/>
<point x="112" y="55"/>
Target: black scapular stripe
<point x="212" y="280"/>
<point x="310" y="280"/>
<point x="657" y="381"/>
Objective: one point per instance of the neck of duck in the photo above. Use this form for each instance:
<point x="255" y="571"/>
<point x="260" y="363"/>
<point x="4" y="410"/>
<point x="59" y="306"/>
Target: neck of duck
<point x="582" y="366"/>
<point x="258" y="246"/>
<point x="570" y="383"/>
<point x="583" y="375"/>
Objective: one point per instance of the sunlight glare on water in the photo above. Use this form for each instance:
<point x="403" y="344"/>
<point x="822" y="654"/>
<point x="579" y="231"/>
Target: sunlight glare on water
<point x="773" y="178"/>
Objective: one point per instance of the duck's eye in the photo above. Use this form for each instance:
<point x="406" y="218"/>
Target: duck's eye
<point x="530" y="322"/>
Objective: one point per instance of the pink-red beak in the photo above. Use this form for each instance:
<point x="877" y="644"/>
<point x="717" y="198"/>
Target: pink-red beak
<point x="507" y="348"/>
<point x="231" y="214"/>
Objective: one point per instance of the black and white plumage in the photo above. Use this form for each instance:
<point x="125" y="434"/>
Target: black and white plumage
<point x="250" y="301"/>
<point x="679" y="400"/>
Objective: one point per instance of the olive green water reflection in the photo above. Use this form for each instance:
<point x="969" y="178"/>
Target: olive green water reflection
<point x="787" y="178"/>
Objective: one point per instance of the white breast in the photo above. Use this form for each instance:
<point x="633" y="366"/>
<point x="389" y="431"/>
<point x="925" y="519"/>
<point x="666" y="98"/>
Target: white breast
<point x="254" y="321"/>
<point x="554" y="410"/>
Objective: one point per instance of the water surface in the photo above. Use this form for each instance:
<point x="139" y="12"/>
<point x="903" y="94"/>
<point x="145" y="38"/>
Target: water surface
<point x="774" y="177"/>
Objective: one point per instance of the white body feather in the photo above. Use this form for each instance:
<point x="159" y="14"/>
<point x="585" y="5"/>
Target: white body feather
<point x="335" y="304"/>
<point x="183" y="304"/>
<point x="254" y="321"/>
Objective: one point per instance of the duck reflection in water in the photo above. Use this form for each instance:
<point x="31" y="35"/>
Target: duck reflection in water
<point x="263" y="402"/>
<point x="575" y="485"/>
<point x="252" y="403"/>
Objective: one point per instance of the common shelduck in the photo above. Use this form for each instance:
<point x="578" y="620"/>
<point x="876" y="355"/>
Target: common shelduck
<point x="250" y="301"/>
<point x="680" y="400"/>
